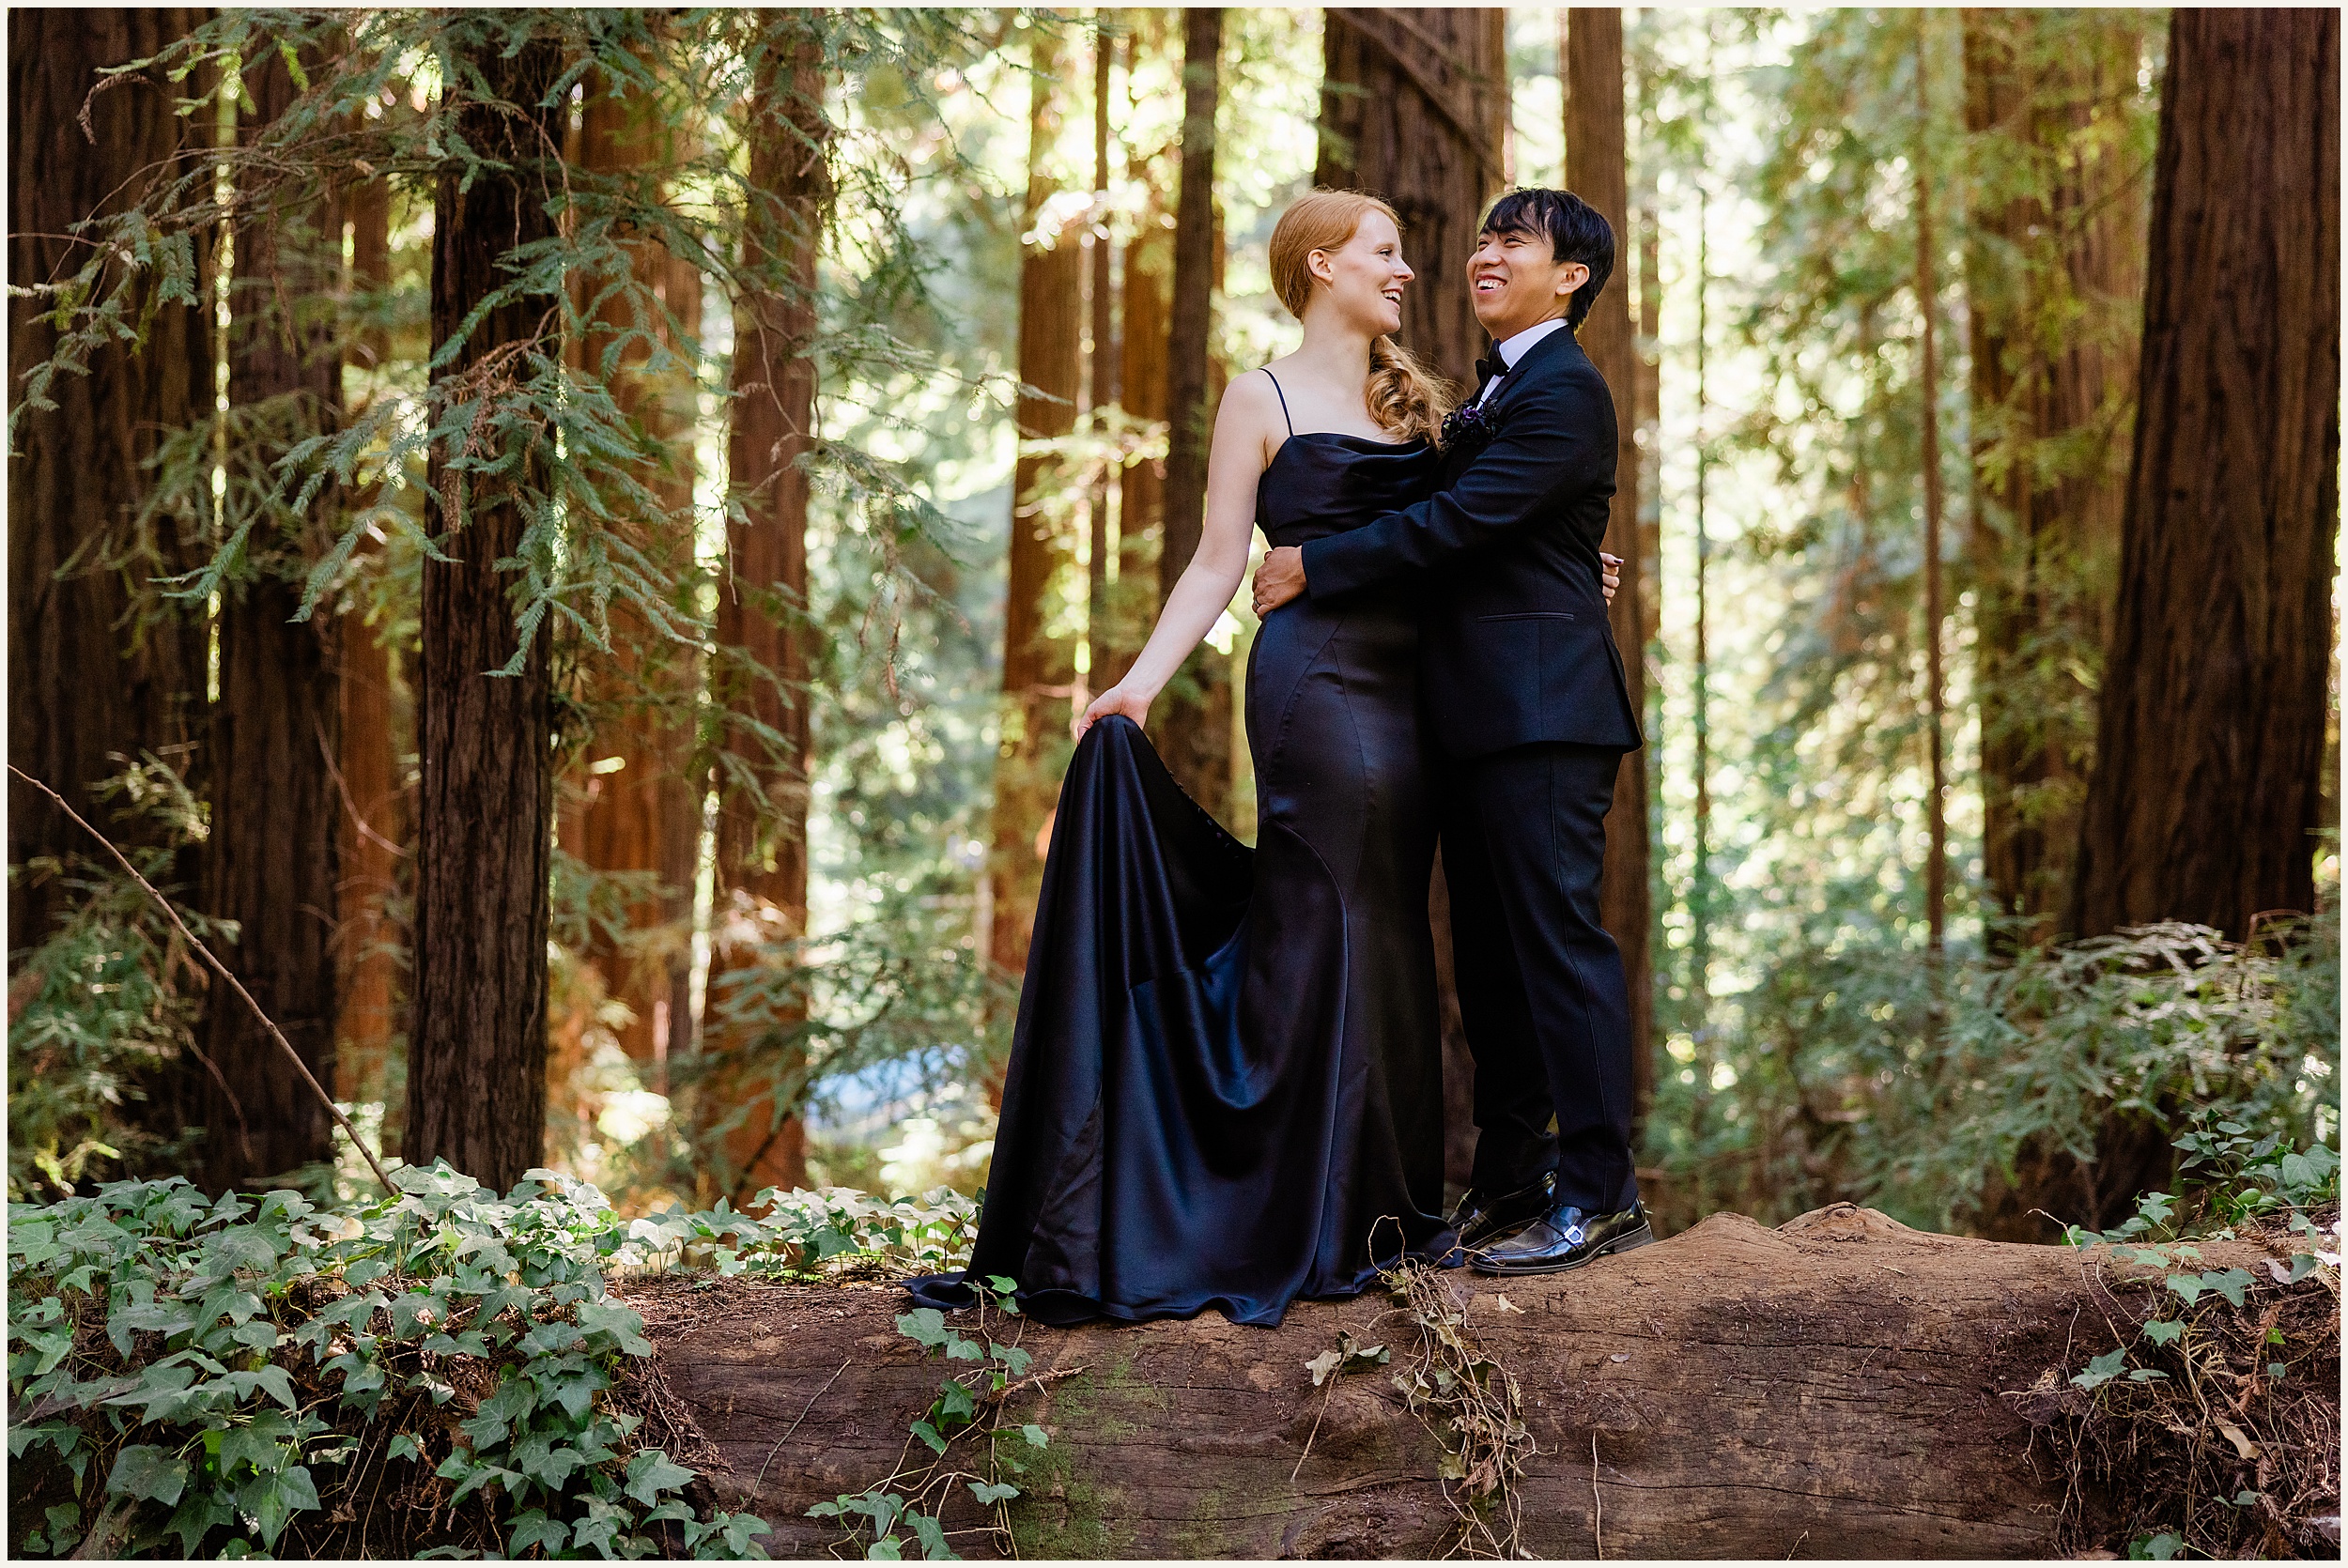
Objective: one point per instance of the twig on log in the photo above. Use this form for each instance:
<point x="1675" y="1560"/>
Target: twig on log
<point x="795" y="1426"/>
<point x="224" y="972"/>
<point x="1035" y="1382"/>
<point x="1316" y="1431"/>
<point x="1598" y="1525"/>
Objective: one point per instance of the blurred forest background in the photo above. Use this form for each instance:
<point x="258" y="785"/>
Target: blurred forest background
<point x="568" y="541"/>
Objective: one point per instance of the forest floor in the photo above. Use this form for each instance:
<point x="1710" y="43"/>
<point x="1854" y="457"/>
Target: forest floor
<point x="1842" y="1386"/>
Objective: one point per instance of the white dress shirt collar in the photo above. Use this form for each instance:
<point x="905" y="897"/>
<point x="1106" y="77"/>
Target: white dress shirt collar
<point x="1514" y="347"/>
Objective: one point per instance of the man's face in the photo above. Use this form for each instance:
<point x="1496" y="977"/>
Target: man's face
<point x="1517" y="281"/>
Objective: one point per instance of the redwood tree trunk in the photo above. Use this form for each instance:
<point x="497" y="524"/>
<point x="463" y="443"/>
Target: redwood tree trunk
<point x="2054" y="283"/>
<point x="1597" y="172"/>
<point x="644" y="814"/>
<point x="1195" y="710"/>
<point x="762" y="830"/>
<point x="373" y="813"/>
<point x="477" y="1039"/>
<point x="1038" y="671"/>
<point x="1414" y="109"/>
<point x="2204" y="791"/>
<point x="1145" y="292"/>
<point x="82" y="684"/>
<point x="272" y="852"/>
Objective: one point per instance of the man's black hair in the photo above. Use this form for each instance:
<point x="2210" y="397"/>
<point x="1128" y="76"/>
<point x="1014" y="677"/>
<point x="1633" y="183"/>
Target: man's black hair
<point x="1575" y="231"/>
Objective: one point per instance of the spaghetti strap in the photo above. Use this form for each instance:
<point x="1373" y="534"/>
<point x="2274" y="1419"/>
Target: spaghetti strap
<point x="1283" y="396"/>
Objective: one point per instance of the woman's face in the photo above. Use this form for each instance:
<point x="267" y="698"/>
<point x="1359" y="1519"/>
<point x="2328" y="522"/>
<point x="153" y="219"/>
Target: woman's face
<point x="1364" y="275"/>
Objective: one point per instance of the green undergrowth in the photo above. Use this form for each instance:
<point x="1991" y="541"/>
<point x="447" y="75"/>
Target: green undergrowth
<point x="962" y="1442"/>
<point x="2211" y="1426"/>
<point x="438" y="1372"/>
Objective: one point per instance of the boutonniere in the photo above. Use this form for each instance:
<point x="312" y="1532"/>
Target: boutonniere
<point x="1469" y="429"/>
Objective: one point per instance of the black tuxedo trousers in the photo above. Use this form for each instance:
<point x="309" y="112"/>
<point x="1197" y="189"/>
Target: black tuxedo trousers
<point x="1541" y="987"/>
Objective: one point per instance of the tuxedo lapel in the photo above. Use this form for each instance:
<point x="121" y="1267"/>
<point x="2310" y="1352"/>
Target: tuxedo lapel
<point x="1548" y="354"/>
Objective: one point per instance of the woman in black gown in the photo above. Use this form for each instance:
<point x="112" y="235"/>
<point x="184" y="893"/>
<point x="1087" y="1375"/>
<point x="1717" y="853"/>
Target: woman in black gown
<point x="1225" y="1079"/>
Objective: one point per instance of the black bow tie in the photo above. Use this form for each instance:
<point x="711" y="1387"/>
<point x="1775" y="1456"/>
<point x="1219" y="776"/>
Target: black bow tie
<point x="1493" y="369"/>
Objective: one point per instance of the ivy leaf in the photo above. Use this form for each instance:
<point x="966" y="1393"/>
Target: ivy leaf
<point x="404" y="1447"/>
<point x="2102" y="1370"/>
<point x="650" y="1473"/>
<point x="933" y="1537"/>
<point x="272" y="1499"/>
<point x="2187" y="1286"/>
<point x="928" y="1434"/>
<point x="738" y="1528"/>
<point x="623" y="1324"/>
<point x="534" y="1528"/>
<point x="2165" y="1333"/>
<point x="1034" y="1435"/>
<point x="2228" y="1285"/>
<point x="989" y="1493"/>
<point x="884" y="1550"/>
<point x="145" y="1471"/>
<point x="925" y="1327"/>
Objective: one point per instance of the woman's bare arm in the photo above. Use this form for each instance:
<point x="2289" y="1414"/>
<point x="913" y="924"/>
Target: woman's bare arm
<point x="1247" y="430"/>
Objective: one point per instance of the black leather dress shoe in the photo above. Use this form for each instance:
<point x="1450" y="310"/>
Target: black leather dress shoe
<point x="1483" y="1218"/>
<point x="1564" y="1238"/>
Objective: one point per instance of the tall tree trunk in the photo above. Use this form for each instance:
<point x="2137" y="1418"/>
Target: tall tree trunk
<point x="1194" y="725"/>
<point x="1100" y="383"/>
<point x="1038" y="671"/>
<point x="762" y="827"/>
<point x="638" y="806"/>
<point x="373" y="812"/>
<point x="1145" y="291"/>
<point x="2205" y="791"/>
<point x="1650" y="400"/>
<point x="1414" y="109"/>
<point x="98" y="667"/>
<point x="2054" y="286"/>
<point x="272" y="855"/>
<point x="1928" y="423"/>
<point x="477" y="1039"/>
<point x="1597" y="173"/>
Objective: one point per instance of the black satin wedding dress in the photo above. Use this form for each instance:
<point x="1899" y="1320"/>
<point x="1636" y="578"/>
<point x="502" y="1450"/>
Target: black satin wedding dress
<point x="1225" y="1086"/>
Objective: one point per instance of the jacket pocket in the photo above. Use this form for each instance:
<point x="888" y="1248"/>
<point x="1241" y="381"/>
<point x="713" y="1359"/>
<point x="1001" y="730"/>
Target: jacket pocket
<point x="1531" y="615"/>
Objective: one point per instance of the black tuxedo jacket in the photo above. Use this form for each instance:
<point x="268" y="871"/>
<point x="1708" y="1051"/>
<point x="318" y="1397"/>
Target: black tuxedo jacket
<point x="1516" y="647"/>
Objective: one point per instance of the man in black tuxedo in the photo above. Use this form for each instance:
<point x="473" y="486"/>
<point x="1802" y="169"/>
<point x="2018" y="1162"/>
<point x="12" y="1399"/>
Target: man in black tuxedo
<point x="1525" y="693"/>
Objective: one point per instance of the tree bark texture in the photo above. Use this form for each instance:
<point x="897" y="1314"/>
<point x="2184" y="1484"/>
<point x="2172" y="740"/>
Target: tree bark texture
<point x="271" y="859"/>
<point x="98" y="667"/>
<point x="372" y="833"/>
<point x="1928" y="455"/>
<point x="1841" y="1387"/>
<point x="477" y="1036"/>
<point x="1415" y="110"/>
<point x="1598" y="170"/>
<point x="2204" y="791"/>
<point x="644" y="814"/>
<point x="761" y="831"/>
<point x="1100" y="384"/>
<point x="1038" y="669"/>
<point x="1145" y="292"/>
<point x="1195" y="710"/>
<point x="2054" y="283"/>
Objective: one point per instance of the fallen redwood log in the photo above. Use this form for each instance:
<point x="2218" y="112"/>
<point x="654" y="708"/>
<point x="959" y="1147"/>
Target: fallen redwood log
<point x="1839" y="1387"/>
